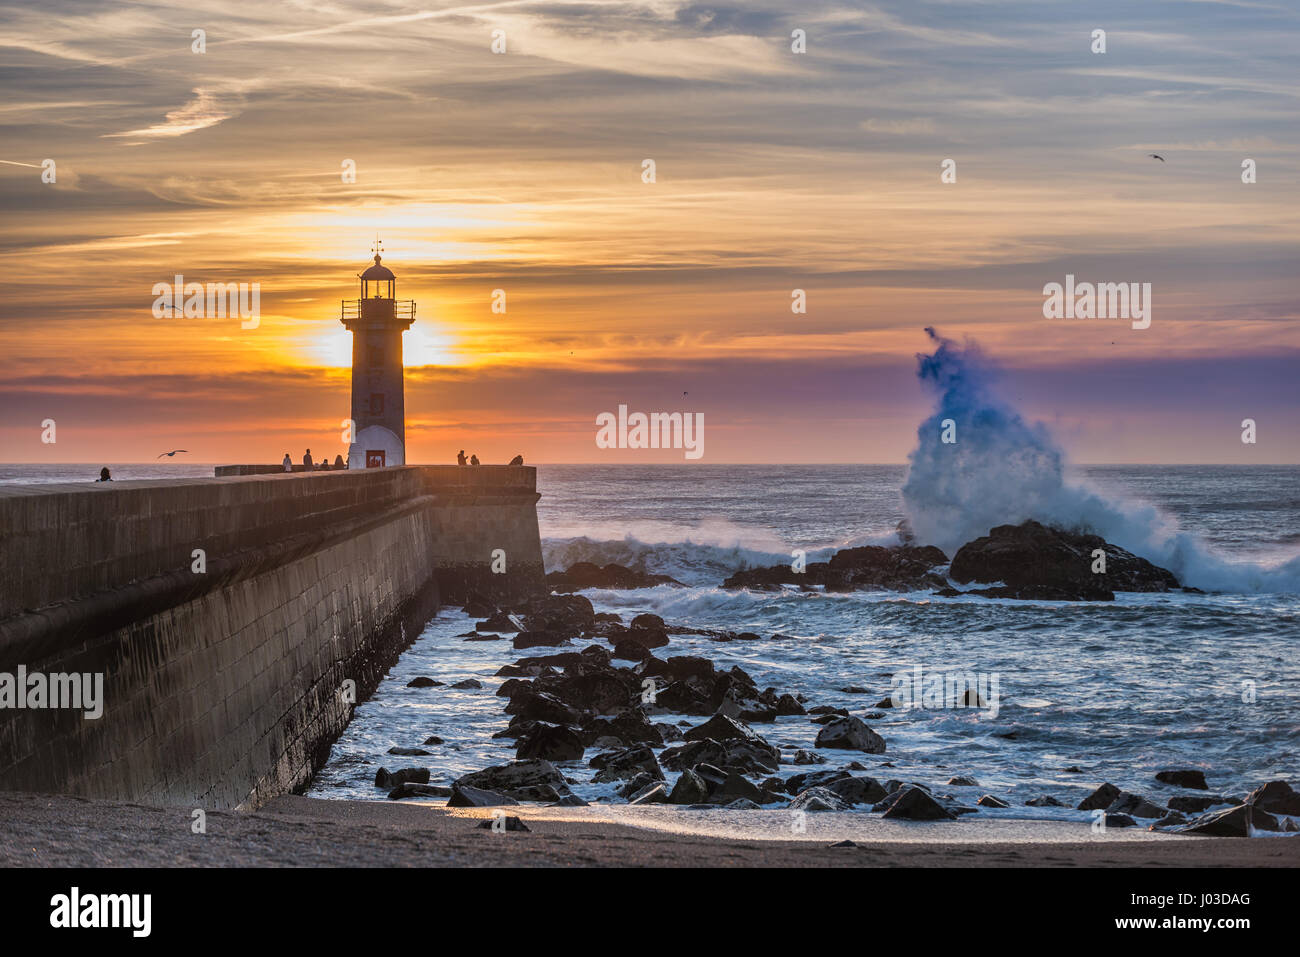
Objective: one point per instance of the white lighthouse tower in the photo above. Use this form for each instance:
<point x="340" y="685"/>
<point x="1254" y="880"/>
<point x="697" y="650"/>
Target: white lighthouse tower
<point x="377" y="321"/>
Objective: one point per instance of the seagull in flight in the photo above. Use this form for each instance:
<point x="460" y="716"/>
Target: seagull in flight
<point x="172" y="452"/>
<point x="1156" y="156"/>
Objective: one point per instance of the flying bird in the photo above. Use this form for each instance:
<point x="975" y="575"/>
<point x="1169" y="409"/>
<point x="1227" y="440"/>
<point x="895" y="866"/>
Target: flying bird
<point x="172" y="452"/>
<point x="1156" y="156"/>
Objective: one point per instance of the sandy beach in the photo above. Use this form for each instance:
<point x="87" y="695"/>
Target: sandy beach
<point x="61" y="831"/>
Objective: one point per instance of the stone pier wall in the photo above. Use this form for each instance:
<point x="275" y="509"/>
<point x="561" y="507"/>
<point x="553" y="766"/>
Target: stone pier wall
<point x="227" y="686"/>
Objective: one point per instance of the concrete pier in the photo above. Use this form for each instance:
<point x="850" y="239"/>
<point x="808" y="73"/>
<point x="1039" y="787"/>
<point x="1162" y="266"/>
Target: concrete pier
<point x="236" y="621"/>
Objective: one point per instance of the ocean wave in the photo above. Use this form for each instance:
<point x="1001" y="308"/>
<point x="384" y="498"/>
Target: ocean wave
<point x="1002" y="470"/>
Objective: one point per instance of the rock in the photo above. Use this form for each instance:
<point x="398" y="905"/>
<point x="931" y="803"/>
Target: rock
<point x="466" y="796"/>
<point x="531" y="639"/>
<point x="914" y="804"/>
<point x="1119" y="820"/>
<point x="385" y="778"/>
<point x="843" y="844"/>
<point x="734" y="786"/>
<point x="478" y="606"/>
<point x="631" y="727"/>
<point x="1134" y="805"/>
<point x="808" y="757"/>
<point x="468" y="684"/>
<point x="498" y="622"/>
<point x="512" y="779"/>
<point x="433" y="739"/>
<point x="631" y="651"/>
<point x="409" y="752"/>
<point x="850" y="734"/>
<point x="1230" y="822"/>
<point x="989" y="800"/>
<point x="551" y="742"/>
<point x="1169" y="820"/>
<point x="683" y="756"/>
<point x="963" y="781"/>
<point x="654" y="794"/>
<point x="588" y="575"/>
<point x="511" y="824"/>
<point x="1101" y="798"/>
<point x="415" y="789"/>
<point x="570" y="800"/>
<point x="884" y="703"/>
<point x="532" y="705"/>
<point x="1289" y="824"/>
<point x="854" y="689"/>
<point x="1184" y="778"/>
<point x="1037" y="562"/>
<point x="689" y="789"/>
<point x="637" y="784"/>
<point x="741" y="804"/>
<point x="1195" y="804"/>
<point x="1045" y="800"/>
<point x="857" y="790"/>
<point x="722" y="728"/>
<point x="423" y="682"/>
<point x="648" y="622"/>
<point x="788" y="704"/>
<point x="1276" y="797"/>
<point x="818" y="799"/>
<point x="621" y="765"/>
<point x="898" y="568"/>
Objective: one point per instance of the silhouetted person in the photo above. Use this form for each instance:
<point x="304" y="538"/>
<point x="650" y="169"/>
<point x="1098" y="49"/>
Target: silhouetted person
<point x="338" y="462"/>
<point x="460" y="457"/>
<point x="287" y="463"/>
<point x="473" y="460"/>
<point x="517" y="460"/>
<point x="306" y="459"/>
<point x="104" y="475"/>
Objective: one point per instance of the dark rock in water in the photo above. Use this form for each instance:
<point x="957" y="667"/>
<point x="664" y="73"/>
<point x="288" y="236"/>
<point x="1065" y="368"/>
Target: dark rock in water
<point x="423" y="682"/>
<point x="639" y="783"/>
<point x="540" y="706"/>
<point x="1230" y="822"/>
<point x="688" y="755"/>
<point x="1135" y="805"/>
<point x="433" y="739"/>
<point x="689" y="789"/>
<point x="721" y="728"/>
<point x="963" y="781"/>
<point x="683" y="698"/>
<point x="843" y="844"/>
<point x="1119" y="820"/>
<point x="1184" y="778"/>
<point x="1276" y="797"/>
<point x="589" y="575"/>
<point x="818" y="799"/>
<point x="648" y="621"/>
<point x="1169" y="820"/>
<point x="733" y="787"/>
<point x="478" y="606"/>
<point x="551" y="742"/>
<point x="914" y="804"/>
<point x="713" y="777"/>
<point x="468" y="684"/>
<point x="415" y="789"/>
<point x="631" y="651"/>
<point x="810" y="779"/>
<point x="989" y="800"/>
<point x="498" y="622"/>
<point x="853" y="689"/>
<point x="788" y="704"/>
<point x="898" y="568"/>
<point x="857" y="790"/>
<point x="808" y="757"/>
<point x="532" y="639"/>
<point x="512" y="779"/>
<point x="466" y="796"/>
<point x="654" y="794"/>
<point x="1101" y="798"/>
<point x="741" y="804"/>
<point x="625" y="764"/>
<point x="511" y="824"/>
<point x="629" y="727"/>
<point x="645" y="637"/>
<point x="385" y="778"/>
<point x="825" y="709"/>
<point x="1072" y="769"/>
<point x="409" y="752"/>
<point x="1289" y="825"/>
<point x="884" y="703"/>
<point x="1045" y="800"/>
<point x="1036" y="562"/>
<point x="570" y="800"/>
<point x="1196" y="803"/>
<point x="850" y="734"/>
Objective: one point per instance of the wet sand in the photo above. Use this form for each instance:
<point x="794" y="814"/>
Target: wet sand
<point x="61" y="831"/>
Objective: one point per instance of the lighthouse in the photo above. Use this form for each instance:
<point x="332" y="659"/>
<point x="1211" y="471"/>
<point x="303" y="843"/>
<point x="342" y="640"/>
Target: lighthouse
<point x="377" y="321"/>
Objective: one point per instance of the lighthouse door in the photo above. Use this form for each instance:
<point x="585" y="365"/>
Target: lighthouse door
<point x="375" y="458"/>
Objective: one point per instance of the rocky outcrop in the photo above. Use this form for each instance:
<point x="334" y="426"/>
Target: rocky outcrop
<point x="851" y="734"/>
<point x="896" y="568"/>
<point x="1033" y="561"/>
<point x="1184" y="778"/>
<point x="1276" y="797"/>
<point x="588" y="575"/>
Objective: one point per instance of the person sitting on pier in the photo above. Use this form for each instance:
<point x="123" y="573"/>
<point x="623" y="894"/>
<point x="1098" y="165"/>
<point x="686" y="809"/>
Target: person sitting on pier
<point x="473" y="460"/>
<point x="287" y="463"/>
<point x="306" y="459"/>
<point x="338" y="462"/>
<point x="517" y="460"/>
<point x="460" y="457"/>
<point x="105" y="475"/>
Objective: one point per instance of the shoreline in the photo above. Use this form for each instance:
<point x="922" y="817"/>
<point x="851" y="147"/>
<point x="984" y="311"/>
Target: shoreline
<point x="42" y="830"/>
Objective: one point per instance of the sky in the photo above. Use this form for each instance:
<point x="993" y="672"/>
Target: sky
<point x="523" y="171"/>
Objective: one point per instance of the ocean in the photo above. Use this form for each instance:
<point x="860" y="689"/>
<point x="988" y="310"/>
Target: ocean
<point x="1116" y="690"/>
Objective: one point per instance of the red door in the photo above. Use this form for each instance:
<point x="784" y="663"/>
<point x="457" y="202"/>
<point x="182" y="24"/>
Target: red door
<point x="375" y="458"/>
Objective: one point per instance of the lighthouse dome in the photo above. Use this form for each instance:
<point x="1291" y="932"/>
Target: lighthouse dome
<point x="378" y="271"/>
